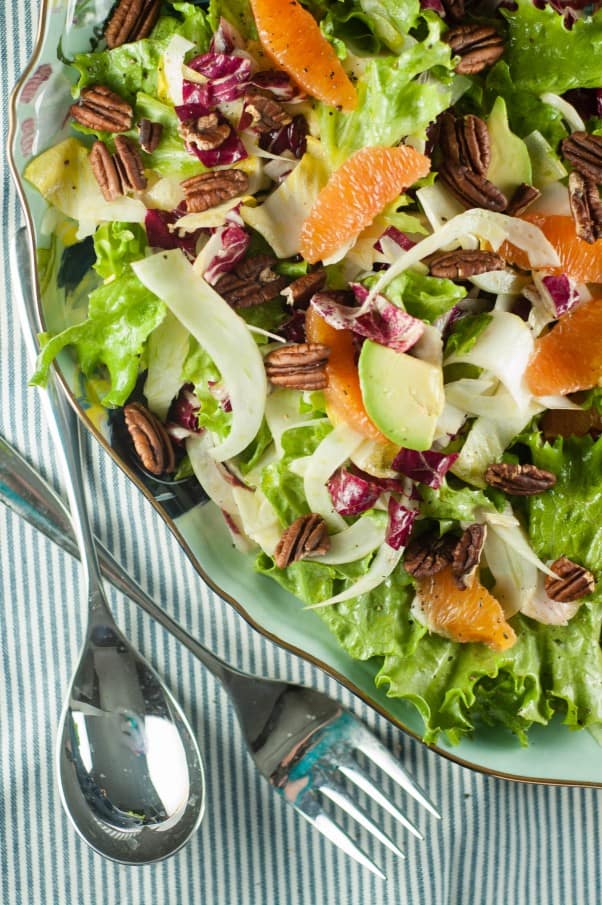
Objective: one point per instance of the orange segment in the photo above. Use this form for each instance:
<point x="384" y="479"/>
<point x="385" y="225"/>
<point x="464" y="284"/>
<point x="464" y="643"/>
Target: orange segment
<point x="343" y="395"/>
<point x="577" y="258"/>
<point x="569" y="357"/>
<point x="471" y="614"/>
<point x="291" y="37"/>
<point x="355" y="194"/>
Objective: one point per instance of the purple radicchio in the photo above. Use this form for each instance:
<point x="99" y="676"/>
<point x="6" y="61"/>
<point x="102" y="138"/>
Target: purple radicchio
<point x="279" y="84"/>
<point x="429" y="467"/>
<point x="559" y="292"/>
<point x="400" y="524"/>
<point x="352" y="494"/>
<point x="225" y="39"/>
<point x="377" y="319"/>
<point x="397" y="236"/>
<point x="292" y="137"/>
<point x="233" y="243"/>
<point x="227" y="77"/>
<point x="230" y="150"/>
<point x="157" y="224"/>
<point x="183" y="417"/>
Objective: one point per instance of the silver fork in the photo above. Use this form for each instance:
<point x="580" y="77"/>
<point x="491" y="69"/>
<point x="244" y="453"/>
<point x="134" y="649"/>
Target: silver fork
<point x="302" y="741"/>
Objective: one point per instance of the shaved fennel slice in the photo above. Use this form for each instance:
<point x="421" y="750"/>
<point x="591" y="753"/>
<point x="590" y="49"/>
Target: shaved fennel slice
<point x="381" y="567"/>
<point x="494" y="228"/>
<point x="547" y="611"/>
<point x="258" y="517"/>
<point x="508" y="528"/>
<point x="354" y="542"/>
<point x="209" y="474"/>
<point x="282" y="413"/>
<point x="566" y="110"/>
<point x="515" y="577"/>
<point x="167" y="350"/>
<point x="221" y="332"/>
<point x="334" y="450"/>
<point x="504" y="348"/>
<point x="172" y="64"/>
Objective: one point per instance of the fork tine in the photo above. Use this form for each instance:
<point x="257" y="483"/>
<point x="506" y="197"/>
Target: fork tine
<point x="325" y="825"/>
<point x="382" y="757"/>
<point x="363" y="781"/>
<point x="341" y="797"/>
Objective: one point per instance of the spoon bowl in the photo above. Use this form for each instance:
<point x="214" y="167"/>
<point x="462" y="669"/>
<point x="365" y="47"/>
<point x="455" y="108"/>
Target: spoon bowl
<point x="130" y="774"/>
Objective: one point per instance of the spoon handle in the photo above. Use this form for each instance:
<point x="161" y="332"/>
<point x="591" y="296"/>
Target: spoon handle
<point x="63" y="425"/>
<point x="28" y="495"/>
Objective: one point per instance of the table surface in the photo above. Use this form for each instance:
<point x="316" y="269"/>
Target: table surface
<point x="498" y="842"/>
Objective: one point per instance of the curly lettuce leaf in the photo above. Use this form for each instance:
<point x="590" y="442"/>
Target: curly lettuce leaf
<point x="393" y="102"/>
<point x="367" y="25"/>
<point x="526" y="111"/>
<point x="116" y="245"/>
<point x="170" y="157"/>
<point x="543" y="55"/>
<point x="424" y="296"/>
<point x="200" y="370"/>
<point x="237" y="12"/>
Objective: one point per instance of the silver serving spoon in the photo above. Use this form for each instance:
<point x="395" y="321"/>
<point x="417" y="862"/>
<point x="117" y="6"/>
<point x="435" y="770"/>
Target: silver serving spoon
<point x="130" y="772"/>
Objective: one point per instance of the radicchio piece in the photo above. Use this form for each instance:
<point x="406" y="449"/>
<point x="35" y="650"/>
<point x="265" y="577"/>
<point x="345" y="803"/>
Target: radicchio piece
<point x="397" y="236"/>
<point x="293" y="329"/>
<point x="230" y="150"/>
<point x="560" y="292"/>
<point x="351" y="494"/>
<point x="159" y="235"/>
<point x="234" y="241"/>
<point x="435" y="5"/>
<point x="390" y="485"/>
<point x="429" y="467"/>
<point x="227" y="78"/>
<point x="292" y="137"/>
<point x="279" y="84"/>
<point x="400" y="524"/>
<point x="377" y="319"/>
<point x="183" y="418"/>
<point x="225" y="39"/>
<point x="219" y="392"/>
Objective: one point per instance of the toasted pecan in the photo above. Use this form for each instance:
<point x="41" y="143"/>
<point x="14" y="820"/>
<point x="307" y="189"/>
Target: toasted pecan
<point x="573" y="581"/>
<point x="150" y="439"/>
<point x="519" y="480"/>
<point x="307" y="536"/>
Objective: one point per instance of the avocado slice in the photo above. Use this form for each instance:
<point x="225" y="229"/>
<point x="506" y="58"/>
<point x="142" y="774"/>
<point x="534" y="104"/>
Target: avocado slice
<point x="510" y="162"/>
<point x="402" y="395"/>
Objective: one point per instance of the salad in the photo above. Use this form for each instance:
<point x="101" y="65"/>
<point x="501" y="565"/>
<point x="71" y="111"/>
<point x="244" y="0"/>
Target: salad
<point x="348" y="273"/>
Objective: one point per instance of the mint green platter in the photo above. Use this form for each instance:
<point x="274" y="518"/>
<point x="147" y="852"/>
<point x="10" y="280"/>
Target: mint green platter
<point x="38" y="118"/>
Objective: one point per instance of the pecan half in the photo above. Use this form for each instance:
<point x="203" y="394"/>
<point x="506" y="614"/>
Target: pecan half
<point x="465" y="141"/>
<point x="467" y="554"/>
<point x="149" y="135"/>
<point x="464" y="263"/>
<point x="105" y="171"/>
<point x="129" y="163"/>
<point x="103" y="110"/>
<point x="151" y="441"/>
<point x="252" y="282"/>
<point x="478" y="46"/>
<point x="586" y="207"/>
<point x="267" y="114"/>
<point x="519" y="480"/>
<point x="307" y="536"/>
<point x="584" y="151"/>
<point x="472" y="189"/>
<point x="131" y="20"/>
<point x="299" y="366"/>
<point x="299" y="293"/>
<point x="573" y="582"/>
<point x="206" y="132"/>
<point x="428" y="554"/>
<point x="571" y="423"/>
<point x="209" y="189"/>
<point x="522" y="198"/>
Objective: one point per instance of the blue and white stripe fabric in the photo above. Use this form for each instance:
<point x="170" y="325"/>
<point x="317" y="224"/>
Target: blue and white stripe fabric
<point x="498" y="842"/>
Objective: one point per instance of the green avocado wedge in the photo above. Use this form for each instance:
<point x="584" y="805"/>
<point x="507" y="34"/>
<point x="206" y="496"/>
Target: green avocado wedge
<point x="402" y="395"/>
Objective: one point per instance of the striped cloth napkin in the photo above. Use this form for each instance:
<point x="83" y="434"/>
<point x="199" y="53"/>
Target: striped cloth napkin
<point x="498" y="842"/>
